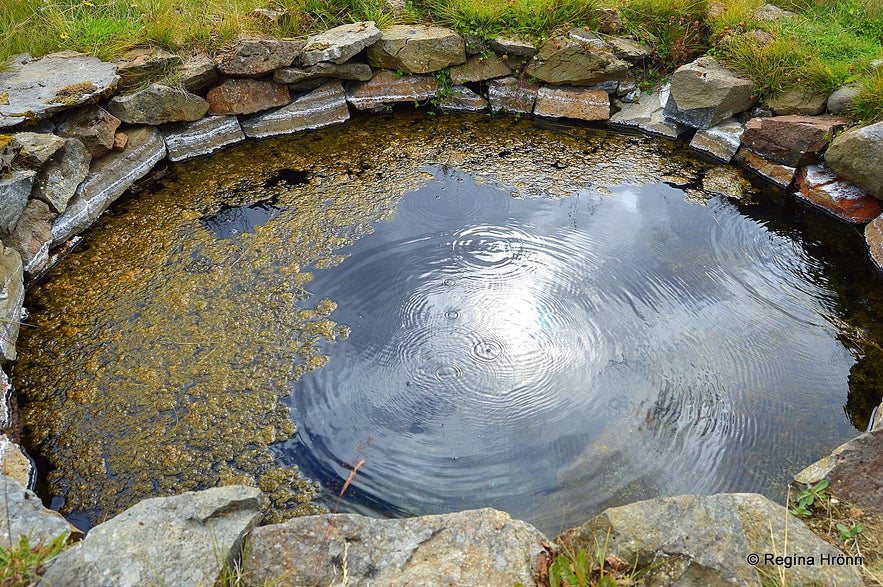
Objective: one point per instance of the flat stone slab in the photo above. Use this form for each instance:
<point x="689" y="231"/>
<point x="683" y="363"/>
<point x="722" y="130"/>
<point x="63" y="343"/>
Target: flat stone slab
<point x="569" y="102"/>
<point x="386" y="87"/>
<point x="513" y="47"/>
<point x="568" y="60"/>
<point x="58" y="179"/>
<point x="720" y="141"/>
<point x="339" y="44"/>
<point x="705" y="93"/>
<point x="353" y="71"/>
<point x="462" y="99"/>
<point x="819" y="185"/>
<point x="512" y="95"/>
<point x="417" y="49"/>
<point x="792" y="140"/>
<point x="781" y="175"/>
<point x="479" y="69"/>
<point x="12" y="295"/>
<point x="480" y="547"/>
<point x="257" y="57"/>
<point x="646" y="115"/>
<point x="24" y="514"/>
<point x="181" y="540"/>
<point x="324" y="106"/>
<point x="158" y="104"/>
<point x="34" y="149"/>
<point x="108" y="178"/>
<point x="246" y="96"/>
<point x="202" y="137"/>
<point x="39" y="88"/>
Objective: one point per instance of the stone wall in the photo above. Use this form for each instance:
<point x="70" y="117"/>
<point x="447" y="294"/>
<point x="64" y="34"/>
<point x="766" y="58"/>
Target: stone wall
<point x="78" y="132"/>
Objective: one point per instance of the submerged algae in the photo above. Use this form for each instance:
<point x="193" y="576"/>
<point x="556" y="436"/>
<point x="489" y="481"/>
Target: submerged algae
<point x="161" y="351"/>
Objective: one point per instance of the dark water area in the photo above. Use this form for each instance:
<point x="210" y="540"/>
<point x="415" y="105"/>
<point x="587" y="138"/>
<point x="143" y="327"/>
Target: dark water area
<point x="466" y="311"/>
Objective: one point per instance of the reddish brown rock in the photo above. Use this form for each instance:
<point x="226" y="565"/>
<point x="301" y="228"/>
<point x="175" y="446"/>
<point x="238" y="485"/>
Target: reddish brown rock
<point x="570" y="102"/>
<point x="781" y="175"/>
<point x="120" y="140"/>
<point x="94" y="126"/>
<point x="819" y="185"/>
<point x="792" y="140"/>
<point x="246" y="96"/>
<point x="386" y="88"/>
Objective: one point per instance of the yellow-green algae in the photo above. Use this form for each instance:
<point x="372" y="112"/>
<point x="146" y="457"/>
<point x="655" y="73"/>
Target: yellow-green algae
<point x="161" y="352"/>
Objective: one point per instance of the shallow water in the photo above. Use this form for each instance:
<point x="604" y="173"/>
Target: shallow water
<point x="543" y="319"/>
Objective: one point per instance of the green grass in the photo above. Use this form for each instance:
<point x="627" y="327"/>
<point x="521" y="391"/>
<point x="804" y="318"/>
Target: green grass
<point x="22" y="564"/>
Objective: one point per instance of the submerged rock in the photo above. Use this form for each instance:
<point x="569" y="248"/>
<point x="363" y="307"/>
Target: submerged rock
<point x="180" y="540"/>
<point x="108" y="178"/>
<point x="202" y="137"/>
<point x="479" y="547"/>
<point x="339" y="44"/>
<point x="36" y="89"/>
<point x="417" y="49"/>
<point x="705" y="93"/>
<point x="24" y="515"/>
<point x="323" y="106"/>
<point x="857" y="155"/>
<point x="819" y="185"/>
<point x="712" y="541"/>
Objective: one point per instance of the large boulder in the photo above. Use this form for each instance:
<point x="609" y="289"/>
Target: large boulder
<point x="108" y="178"/>
<point x="576" y="62"/>
<point x="705" y="93"/>
<point x="94" y="126"/>
<point x="571" y="102"/>
<point x="58" y="179"/>
<point x="857" y="155"/>
<point x="182" y="540"/>
<point x="820" y="186"/>
<point x="386" y="88"/>
<point x="187" y="140"/>
<point x="24" y="515"/>
<point x="324" y="106"/>
<point x="257" y="57"/>
<point x="792" y="140"/>
<point x="480" y="547"/>
<point x="12" y="295"/>
<point x="417" y="49"/>
<point x="246" y="96"/>
<point x="339" y="44"/>
<point x="158" y="104"/>
<point x="717" y="540"/>
<point x="37" y="89"/>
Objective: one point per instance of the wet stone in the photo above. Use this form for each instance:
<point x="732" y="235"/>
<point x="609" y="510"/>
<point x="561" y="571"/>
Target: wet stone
<point x="58" y="179"/>
<point x="351" y="71"/>
<point x="323" y="106"/>
<point x="720" y="141"/>
<point x="569" y="102"/>
<point x="417" y="49"/>
<point x="386" y="88"/>
<point x="339" y="44"/>
<point x="202" y="137"/>
<point x="792" y="140"/>
<point x="94" y="126"/>
<point x="781" y="175"/>
<point x="246" y="96"/>
<point x="819" y="185"/>
<point x="646" y="115"/>
<point x="512" y="95"/>
<point x="462" y="99"/>
<point x="257" y="57"/>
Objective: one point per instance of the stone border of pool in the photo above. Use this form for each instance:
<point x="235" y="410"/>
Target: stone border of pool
<point x="80" y="132"/>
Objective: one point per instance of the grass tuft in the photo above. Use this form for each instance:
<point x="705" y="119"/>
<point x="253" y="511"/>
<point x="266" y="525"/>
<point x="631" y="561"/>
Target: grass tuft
<point x="22" y="564"/>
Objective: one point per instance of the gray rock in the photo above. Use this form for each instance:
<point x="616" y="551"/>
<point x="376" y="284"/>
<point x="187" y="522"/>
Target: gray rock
<point x="842" y="98"/>
<point x="94" y="126"/>
<point x="629" y="50"/>
<point x="144" y="65"/>
<point x="197" y="74"/>
<point x="570" y="102"/>
<point x="512" y="95"/>
<point x="339" y="44"/>
<point x="257" y="57"/>
<point x="386" y="88"/>
<point x="721" y="141"/>
<point x="57" y="181"/>
<point x="417" y="49"/>
<point x="510" y="46"/>
<point x="35" y="149"/>
<point x="108" y="178"/>
<point x="705" y="93"/>
<point x="33" y="236"/>
<point x="323" y="106"/>
<point x="797" y="101"/>
<point x="771" y="12"/>
<point x="479" y="69"/>
<point x="38" y="89"/>
<point x="857" y="155"/>
<point x="462" y="99"/>
<point x="202" y="137"/>
<point x="8" y="151"/>
<point x="15" y="189"/>
<point x="24" y="515"/>
<point x="480" y="547"/>
<point x="708" y="540"/>
<point x="566" y="60"/>
<point x="158" y="104"/>
<point x="181" y="540"/>
<point x="12" y="295"/>
<point x="355" y="71"/>
<point x="646" y="115"/>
